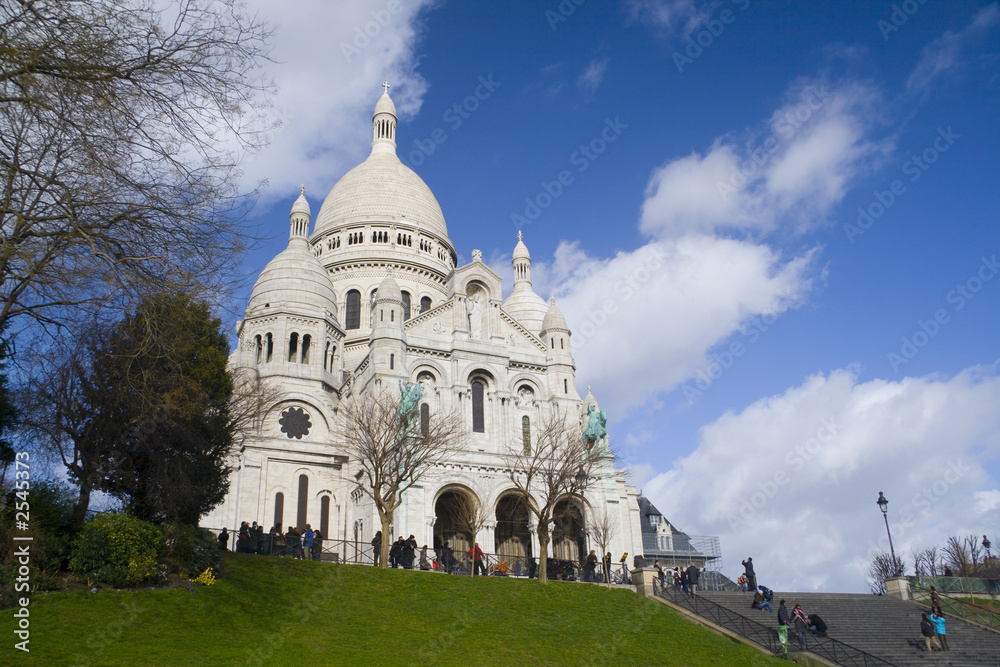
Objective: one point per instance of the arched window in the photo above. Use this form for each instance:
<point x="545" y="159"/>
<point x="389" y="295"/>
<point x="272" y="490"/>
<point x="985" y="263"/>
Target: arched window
<point x="293" y="347"/>
<point x="406" y="306"/>
<point x="327" y="358"/>
<point x="565" y="386"/>
<point x="371" y="300"/>
<point x="300" y="521"/>
<point x="324" y="517"/>
<point x="478" y="415"/>
<point x="392" y="362"/>
<point x="259" y="348"/>
<point x="306" y="340"/>
<point x="279" y="508"/>
<point x="352" y="314"/>
<point x="425" y="304"/>
<point x="425" y="419"/>
<point x="269" y="344"/>
<point x="526" y="433"/>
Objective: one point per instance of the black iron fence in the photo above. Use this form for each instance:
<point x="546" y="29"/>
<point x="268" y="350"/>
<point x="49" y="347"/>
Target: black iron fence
<point x="980" y="610"/>
<point x="766" y="634"/>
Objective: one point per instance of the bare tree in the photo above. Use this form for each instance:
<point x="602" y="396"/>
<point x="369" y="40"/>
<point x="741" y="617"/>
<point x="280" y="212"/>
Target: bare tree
<point x="252" y="397"/>
<point x="557" y="467"/>
<point x="393" y="450"/>
<point x="122" y="127"/>
<point x="883" y="566"/>
<point x="928" y="563"/>
<point x="603" y="528"/>
<point x="963" y="555"/>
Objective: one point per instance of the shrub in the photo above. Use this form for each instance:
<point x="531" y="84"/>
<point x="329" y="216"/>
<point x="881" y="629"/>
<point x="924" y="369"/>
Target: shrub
<point x="118" y="549"/>
<point x="191" y="551"/>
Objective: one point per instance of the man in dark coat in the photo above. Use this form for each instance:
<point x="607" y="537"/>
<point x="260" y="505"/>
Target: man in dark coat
<point x="224" y="539"/>
<point x="817" y="625"/>
<point x="394" y="552"/>
<point x="377" y="544"/>
<point x="751" y="577"/>
<point x="929" y="633"/>
<point x="692" y="575"/>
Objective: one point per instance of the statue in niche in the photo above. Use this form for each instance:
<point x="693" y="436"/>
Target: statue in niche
<point x="426" y="382"/>
<point x="525" y="397"/>
<point x="475" y="317"/>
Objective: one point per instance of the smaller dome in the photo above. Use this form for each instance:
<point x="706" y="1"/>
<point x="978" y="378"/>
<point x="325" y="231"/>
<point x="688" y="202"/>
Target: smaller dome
<point x="384" y="105"/>
<point x="521" y="250"/>
<point x="526" y="307"/>
<point x="301" y="205"/>
<point x="388" y="289"/>
<point x="295" y="280"/>
<point x="554" y="319"/>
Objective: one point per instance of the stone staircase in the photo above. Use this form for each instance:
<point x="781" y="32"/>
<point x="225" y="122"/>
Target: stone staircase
<point x="885" y="627"/>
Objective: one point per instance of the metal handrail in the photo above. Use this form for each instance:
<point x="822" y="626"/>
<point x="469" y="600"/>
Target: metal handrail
<point x="763" y="634"/>
<point x="967" y="611"/>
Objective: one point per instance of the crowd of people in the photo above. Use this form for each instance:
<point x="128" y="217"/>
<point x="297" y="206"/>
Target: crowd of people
<point x="303" y="544"/>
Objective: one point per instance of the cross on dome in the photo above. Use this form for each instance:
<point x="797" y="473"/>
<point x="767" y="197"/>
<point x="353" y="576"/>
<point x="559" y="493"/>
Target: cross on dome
<point x="385" y="84"/>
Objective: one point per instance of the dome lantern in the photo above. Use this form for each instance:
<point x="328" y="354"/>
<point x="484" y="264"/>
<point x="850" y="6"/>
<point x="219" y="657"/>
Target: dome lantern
<point x="384" y="124"/>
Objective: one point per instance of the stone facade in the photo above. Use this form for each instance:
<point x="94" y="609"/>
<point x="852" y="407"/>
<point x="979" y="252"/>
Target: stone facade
<point x="372" y="297"/>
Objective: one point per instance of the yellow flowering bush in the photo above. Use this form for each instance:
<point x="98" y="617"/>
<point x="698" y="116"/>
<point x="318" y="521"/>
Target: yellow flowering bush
<point x="118" y="549"/>
<point x="206" y="578"/>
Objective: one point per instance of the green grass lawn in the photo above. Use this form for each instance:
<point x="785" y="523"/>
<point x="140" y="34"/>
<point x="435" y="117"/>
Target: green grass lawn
<point x="273" y="611"/>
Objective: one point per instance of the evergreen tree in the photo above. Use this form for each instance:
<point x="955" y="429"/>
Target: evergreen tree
<point x="159" y="395"/>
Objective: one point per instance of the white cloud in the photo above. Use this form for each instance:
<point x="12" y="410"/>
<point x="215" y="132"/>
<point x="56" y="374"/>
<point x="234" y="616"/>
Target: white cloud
<point x="792" y="479"/>
<point x="792" y="172"/>
<point x="592" y="77"/>
<point x="329" y="61"/>
<point x="945" y="53"/>
<point x="674" y="300"/>
<point x="673" y="16"/>
<point x="987" y="502"/>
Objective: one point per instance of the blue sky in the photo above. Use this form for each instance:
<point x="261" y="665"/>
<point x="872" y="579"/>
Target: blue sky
<point x="776" y="239"/>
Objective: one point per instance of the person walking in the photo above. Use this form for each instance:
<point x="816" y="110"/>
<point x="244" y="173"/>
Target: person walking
<point x="935" y="602"/>
<point x="377" y="544"/>
<point x="751" y="577"/>
<point x="938" y="620"/>
<point x="801" y="622"/>
<point x="783" y="626"/>
<point x="590" y="570"/>
<point x="476" y="554"/>
<point x="929" y="633"/>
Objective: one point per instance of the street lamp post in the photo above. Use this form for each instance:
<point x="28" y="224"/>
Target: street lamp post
<point x="986" y="545"/>
<point x="883" y="505"/>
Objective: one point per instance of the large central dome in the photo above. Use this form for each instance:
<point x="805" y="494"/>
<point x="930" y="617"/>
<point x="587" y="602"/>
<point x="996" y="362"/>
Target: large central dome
<point x="381" y="189"/>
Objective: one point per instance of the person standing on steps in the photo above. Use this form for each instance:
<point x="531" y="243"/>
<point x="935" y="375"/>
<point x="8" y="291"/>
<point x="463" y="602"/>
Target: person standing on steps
<point x="783" y="626"/>
<point x="927" y="630"/>
<point x="751" y="577"/>
<point x="935" y="602"/>
<point x="692" y="577"/>
<point x="801" y="624"/>
<point x="938" y="620"/>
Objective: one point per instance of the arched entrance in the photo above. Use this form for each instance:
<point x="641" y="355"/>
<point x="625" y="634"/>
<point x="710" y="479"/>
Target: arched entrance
<point x="513" y="539"/>
<point x="569" y="541"/>
<point x="451" y="522"/>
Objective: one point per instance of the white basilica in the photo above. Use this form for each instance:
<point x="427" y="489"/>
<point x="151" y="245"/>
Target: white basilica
<point x="373" y="295"/>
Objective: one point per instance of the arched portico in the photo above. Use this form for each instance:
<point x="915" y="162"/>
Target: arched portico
<point x="512" y="535"/>
<point x="569" y="539"/>
<point x="451" y="523"/>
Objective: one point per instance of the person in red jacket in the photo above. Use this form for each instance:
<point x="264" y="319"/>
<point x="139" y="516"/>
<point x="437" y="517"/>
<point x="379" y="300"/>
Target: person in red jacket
<point x="476" y="554"/>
